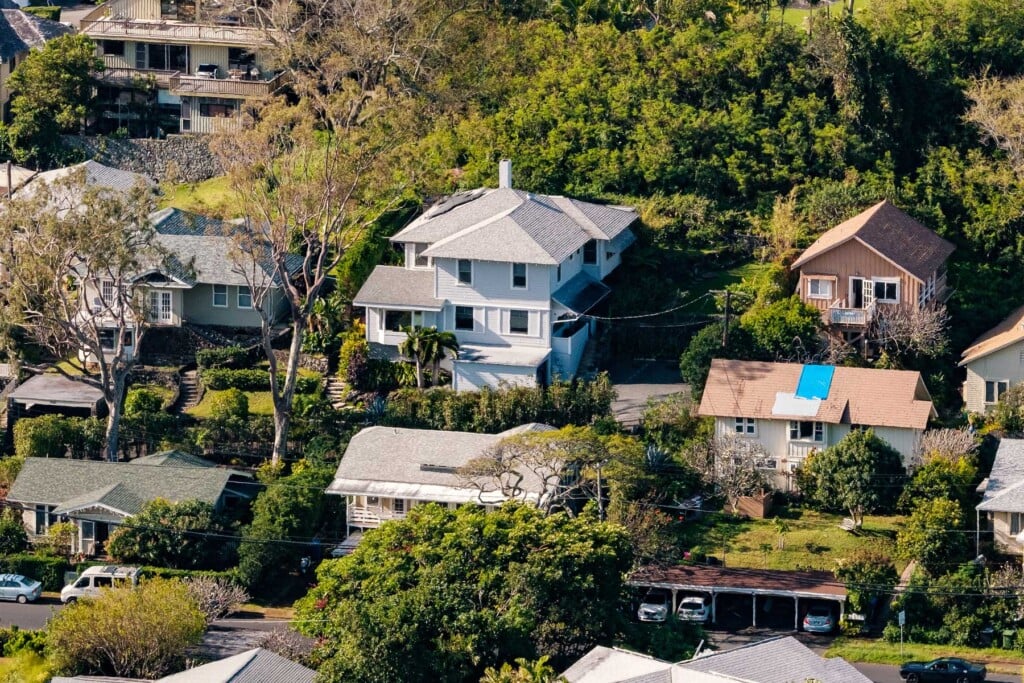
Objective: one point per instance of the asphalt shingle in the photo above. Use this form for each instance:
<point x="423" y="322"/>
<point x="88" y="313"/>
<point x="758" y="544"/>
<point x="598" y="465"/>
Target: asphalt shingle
<point x="1005" y="490"/>
<point x="398" y="286"/>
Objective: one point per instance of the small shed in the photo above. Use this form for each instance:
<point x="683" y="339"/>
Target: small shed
<point x="51" y="393"/>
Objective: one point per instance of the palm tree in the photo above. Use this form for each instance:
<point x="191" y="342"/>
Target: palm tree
<point x="428" y="346"/>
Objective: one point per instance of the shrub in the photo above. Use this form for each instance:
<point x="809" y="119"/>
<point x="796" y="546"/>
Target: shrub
<point x="141" y="401"/>
<point x="53" y="436"/>
<point x="228" y="575"/>
<point x="226" y="357"/>
<point x="254" y="379"/>
<point x="230" y="405"/>
<point x="188" y="535"/>
<point x="14" y="640"/>
<point x="46" y="569"/>
<point x="51" y="12"/>
<point x="9" y="469"/>
<point x="216" y="597"/>
<point x="13" y="538"/>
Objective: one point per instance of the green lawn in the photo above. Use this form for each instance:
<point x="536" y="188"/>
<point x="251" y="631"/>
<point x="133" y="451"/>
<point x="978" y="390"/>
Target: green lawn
<point x="718" y="280"/>
<point x="213" y="197"/>
<point x="260" y="403"/>
<point x="813" y="541"/>
<point x="796" y="16"/>
<point x="881" y="652"/>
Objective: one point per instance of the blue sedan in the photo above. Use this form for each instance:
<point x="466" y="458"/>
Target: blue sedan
<point x="20" y="588"/>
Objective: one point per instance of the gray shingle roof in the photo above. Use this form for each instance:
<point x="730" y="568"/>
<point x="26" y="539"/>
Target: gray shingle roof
<point x="1005" y="490"/>
<point x="172" y="459"/>
<point x="74" y="483"/>
<point x="55" y="389"/>
<point x="97" y="175"/>
<point x="509" y="225"/>
<point x="20" y="32"/>
<point x="605" y="664"/>
<point x="398" y="286"/>
<point x="778" y="660"/>
<point x="253" y="666"/>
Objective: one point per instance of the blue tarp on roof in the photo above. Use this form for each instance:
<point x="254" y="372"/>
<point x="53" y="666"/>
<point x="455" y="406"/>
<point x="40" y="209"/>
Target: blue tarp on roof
<point x="815" y="381"/>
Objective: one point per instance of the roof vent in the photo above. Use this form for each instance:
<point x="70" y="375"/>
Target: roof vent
<point x="441" y="469"/>
<point x="505" y="174"/>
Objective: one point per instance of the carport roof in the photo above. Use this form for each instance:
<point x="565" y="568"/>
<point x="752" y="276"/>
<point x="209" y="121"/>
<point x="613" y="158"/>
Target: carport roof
<point x="56" y="390"/>
<point x="721" y="579"/>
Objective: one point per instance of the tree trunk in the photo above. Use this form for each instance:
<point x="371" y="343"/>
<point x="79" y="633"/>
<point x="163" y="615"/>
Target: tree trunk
<point x="435" y="373"/>
<point x="419" y="374"/>
<point x="283" y="396"/>
<point x="115" y="403"/>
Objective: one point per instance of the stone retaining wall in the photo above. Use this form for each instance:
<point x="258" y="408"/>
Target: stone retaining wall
<point x="177" y="158"/>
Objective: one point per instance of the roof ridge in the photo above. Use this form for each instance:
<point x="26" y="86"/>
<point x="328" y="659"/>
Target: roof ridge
<point x="472" y="228"/>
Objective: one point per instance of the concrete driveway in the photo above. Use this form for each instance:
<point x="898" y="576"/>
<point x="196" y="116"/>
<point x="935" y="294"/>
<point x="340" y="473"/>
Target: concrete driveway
<point x="636" y="382"/>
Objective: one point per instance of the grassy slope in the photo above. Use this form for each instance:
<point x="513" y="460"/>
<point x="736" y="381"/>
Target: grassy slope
<point x="212" y="197"/>
<point x="719" y="280"/>
<point x="260" y="403"/>
<point x="881" y="652"/>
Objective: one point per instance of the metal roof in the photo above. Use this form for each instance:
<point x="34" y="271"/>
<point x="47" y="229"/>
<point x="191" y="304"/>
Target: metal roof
<point x="770" y="582"/>
<point x="776" y="660"/>
<point x="253" y="666"/>
<point x="581" y="293"/>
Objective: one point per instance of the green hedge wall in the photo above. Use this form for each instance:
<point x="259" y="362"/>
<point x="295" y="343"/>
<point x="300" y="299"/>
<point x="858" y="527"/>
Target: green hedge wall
<point x="46" y="569"/>
<point x="165" y="573"/>
<point x="226" y="357"/>
<point x="253" y="379"/>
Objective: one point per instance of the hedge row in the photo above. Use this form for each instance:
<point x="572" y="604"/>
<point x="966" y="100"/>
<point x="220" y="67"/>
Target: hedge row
<point x="253" y="379"/>
<point x="166" y="573"/>
<point x="225" y="357"/>
<point x="47" y="569"/>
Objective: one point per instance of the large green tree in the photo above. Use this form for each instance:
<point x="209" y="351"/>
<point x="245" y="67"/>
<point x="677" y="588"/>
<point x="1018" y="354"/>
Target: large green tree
<point x="935" y="536"/>
<point x="444" y="594"/>
<point x="860" y="474"/>
<point x="185" y="535"/>
<point x="52" y="92"/>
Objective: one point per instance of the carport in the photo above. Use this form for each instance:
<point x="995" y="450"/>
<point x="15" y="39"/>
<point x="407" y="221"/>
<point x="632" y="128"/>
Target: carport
<point x="753" y="583"/>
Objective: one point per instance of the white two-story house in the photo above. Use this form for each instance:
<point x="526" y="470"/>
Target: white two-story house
<point x="511" y="273"/>
<point x="792" y="409"/>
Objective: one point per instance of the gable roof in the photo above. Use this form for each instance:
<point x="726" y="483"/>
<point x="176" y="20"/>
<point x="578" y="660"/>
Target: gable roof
<point x="1008" y="332"/>
<point x="96" y="175"/>
<point x="399" y="287"/>
<point x="776" y="660"/>
<point x="508" y="225"/>
<point x="862" y="396"/>
<point x="421" y="464"/>
<point x="253" y="666"/>
<point x="893" y="235"/>
<point x="1005" y="489"/>
<point x="21" y="31"/>
<point x="200" y="249"/>
<point x="124" y="487"/>
<point x="611" y="665"/>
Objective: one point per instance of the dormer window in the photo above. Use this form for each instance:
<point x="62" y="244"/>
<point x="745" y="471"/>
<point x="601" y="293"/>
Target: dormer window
<point x="419" y="260"/>
<point x="465" y="271"/>
<point x="590" y="253"/>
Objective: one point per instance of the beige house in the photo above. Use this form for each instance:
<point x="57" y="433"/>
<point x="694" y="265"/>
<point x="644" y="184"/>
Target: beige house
<point x="19" y="33"/>
<point x="1002" y="504"/>
<point x="994" y="363"/>
<point x="881" y="257"/>
<point x="792" y="409"/>
<point x="203" y="59"/>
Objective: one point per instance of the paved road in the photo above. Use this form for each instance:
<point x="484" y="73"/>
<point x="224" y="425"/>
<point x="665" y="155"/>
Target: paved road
<point x="31" y="616"/>
<point x="880" y="673"/>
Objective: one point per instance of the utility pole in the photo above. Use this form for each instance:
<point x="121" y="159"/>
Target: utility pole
<point x="600" y="497"/>
<point x="725" y="325"/>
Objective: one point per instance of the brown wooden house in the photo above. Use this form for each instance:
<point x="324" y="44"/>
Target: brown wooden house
<point x="881" y="257"/>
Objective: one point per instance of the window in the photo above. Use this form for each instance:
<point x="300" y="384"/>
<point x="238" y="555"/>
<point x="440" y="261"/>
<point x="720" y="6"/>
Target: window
<point x="244" y="297"/>
<point x="43" y="519"/>
<point x="590" y="253"/>
<point x="1015" y="518"/>
<point x="746" y="426"/>
<point x="112" y="47"/>
<point x="887" y="291"/>
<point x="995" y="390"/>
<point x="218" y="108"/>
<point x="107" y="292"/>
<point x="806" y="431"/>
<point x="465" y="271"/>
<point x="818" y="288"/>
<point x="129" y="338"/>
<point x="394" y="321"/>
<point x="399" y="505"/>
<point x="220" y="296"/>
<point x="240" y="58"/>
<point x="88" y="530"/>
<point x="103" y="581"/>
<point x="373" y="500"/>
<point x="419" y="260"/>
<point x="558" y="274"/>
<point x="161" y="57"/>
<point x="519" y="276"/>
<point x="464" y="318"/>
<point x="518" y="322"/>
<point x="160" y="306"/>
<point x="106" y="339"/>
<point x="766" y="464"/>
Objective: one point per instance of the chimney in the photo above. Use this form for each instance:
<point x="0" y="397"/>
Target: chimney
<point x="505" y="173"/>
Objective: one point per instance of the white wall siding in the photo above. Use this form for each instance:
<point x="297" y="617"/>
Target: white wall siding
<point x="491" y="326"/>
<point x="492" y="282"/>
<point x="1005" y="364"/>
<point x="903" y="440"/>
<point x="474" y="376"/>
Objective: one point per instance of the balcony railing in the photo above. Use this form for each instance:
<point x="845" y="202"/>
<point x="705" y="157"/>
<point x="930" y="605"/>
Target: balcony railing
<point x="125" y="76"/>
<point x="172" y="32"/>
<point x="369" y="516"/>
<point x="839" y="315"/>
<point x="183" y="84"/>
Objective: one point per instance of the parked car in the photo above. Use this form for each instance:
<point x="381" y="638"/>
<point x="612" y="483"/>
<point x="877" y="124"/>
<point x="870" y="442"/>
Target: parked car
<point x="694" y="608"/>
<point x="952" y="669"/>
<point x="819" y="619"/>
<point x="654" y="607"/>
<point x="20" y="588"/>
<point x="93" y="579"/>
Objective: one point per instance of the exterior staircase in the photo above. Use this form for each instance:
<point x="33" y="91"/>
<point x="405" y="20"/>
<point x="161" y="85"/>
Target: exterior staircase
<point x="337" y="390"/>
<point x="190" y="392"/>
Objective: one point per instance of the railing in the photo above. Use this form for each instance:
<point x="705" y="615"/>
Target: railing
<point x="168" y="31"/>
<point x="850" y="316"/>
<point x="125" y="75"/>
<point x="801" y="449"/>
<point x="371" y="515"/>
<point x="183" y="84"/>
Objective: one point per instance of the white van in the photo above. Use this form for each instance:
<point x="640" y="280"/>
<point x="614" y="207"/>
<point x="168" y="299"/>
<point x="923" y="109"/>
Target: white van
<point x="89" y="583"/>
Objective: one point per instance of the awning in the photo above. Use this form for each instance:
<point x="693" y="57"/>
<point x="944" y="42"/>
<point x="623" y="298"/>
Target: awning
<point x="581" y="293"/>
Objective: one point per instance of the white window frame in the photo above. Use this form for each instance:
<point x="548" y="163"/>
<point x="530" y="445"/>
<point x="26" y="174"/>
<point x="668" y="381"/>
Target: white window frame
<point x="107" y="292"/>
<point x="999" y="387"/>
<point x="458" y="272"/>
<point x="216" y="292"/>
<point x="384" y="318"/>
<point x="398" y="506"/>
<point x="243" y="290"/>
<point x="455" y="319"/>
<point x="157" y="310"/>
<point x="745" y="426"/>
<point x="817" y="431"/>
<point x="813" y="282"/>
<point x="526" y="280"/>
<point x="886" y="281"/>
<point x="519" y="334"/>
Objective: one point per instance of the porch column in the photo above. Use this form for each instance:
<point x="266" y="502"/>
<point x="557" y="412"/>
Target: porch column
<point x="753" y="601"/>
<point x="349" y="501"/>
<point x="796" y="614"/>
<point x="977" y="532"/>
<point x="714" y="606"/>
<point x="842" y="604"/>
<point x="674" y="605"/>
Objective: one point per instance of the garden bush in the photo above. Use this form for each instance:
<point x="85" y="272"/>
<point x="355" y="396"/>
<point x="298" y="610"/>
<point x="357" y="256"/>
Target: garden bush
<point x="253" y="379"/>
<point x="47" y="569"/>
<point x="141" y="401"/>
<point x="51" y="12"/>
<point x="226" y="357"/>
<point x="53" y="436"/>
<point x="13" y="538"/>
<point x="14" y="640"/>
<point x="229" y="575"/>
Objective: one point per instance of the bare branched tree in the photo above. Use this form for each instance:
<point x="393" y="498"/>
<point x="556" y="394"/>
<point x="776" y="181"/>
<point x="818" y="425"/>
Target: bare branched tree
<point x="904" y="331"/>
<point x="998" y="112"/>
<point x="944" y="444"/>
<point x="549" y="468"/>
<point x="730" y="467"/>
<point x="71" y="258"/>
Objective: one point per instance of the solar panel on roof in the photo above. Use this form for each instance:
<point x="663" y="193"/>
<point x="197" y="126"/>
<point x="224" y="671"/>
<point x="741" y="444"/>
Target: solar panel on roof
<point x="815" y="381"/>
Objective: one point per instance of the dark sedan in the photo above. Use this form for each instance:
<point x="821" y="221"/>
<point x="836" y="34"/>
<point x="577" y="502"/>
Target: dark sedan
<point x="949" y="669"/>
